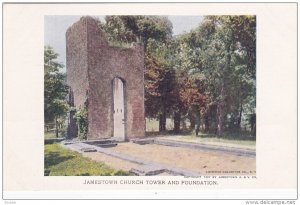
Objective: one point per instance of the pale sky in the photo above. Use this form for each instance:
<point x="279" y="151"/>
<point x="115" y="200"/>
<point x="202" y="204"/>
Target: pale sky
<point x="56" y="26"/>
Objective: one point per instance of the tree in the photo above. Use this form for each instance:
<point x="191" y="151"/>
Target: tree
<point x="55" y="88"/>
<point x="154" y="32"/>
<point x="158" y="90"/>
<point x="191" y="98"/>
<point x="207" y="74"/>
<point x="220" y="56"/>
<point x="237" y="34"/>
<point x="138" y="28"/>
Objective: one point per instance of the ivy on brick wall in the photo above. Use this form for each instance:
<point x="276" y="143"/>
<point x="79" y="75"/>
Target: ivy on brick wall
<point x="82" y="122"/>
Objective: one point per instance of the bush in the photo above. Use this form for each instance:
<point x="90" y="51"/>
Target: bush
<point x="82" y="122"/>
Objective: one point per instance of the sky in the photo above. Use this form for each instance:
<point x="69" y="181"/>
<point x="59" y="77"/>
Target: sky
<point x="56" y="26"/>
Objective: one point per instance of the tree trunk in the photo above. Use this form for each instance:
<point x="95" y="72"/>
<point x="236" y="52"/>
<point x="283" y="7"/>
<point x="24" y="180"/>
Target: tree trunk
<point x="192" y="121"/>
<point x="253" y="124"/>
<point x="253" y="130"/>
<point x="221" y="104"/>
<point x="177" y="119"/>
<point x="56" y="127"/>
<point x="197" y="122"/>
<point x="162" y="122"/>
<point x="206" y="124"/>
<point x="163" y="115"/>
<point x="240" y="116"/>
<point x="220" y="128"/>
<point x="220" y="120"/>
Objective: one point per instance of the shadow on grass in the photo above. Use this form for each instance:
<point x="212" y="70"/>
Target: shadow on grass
<point x="83" y="174"/>
<point x="54" y="158"/>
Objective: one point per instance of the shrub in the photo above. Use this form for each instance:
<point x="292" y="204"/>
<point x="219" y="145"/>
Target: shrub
<point x="82" y="122"/>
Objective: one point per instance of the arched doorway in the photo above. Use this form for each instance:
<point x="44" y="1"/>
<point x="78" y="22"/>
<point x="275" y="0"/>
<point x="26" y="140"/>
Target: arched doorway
<point x="119" y="109"/>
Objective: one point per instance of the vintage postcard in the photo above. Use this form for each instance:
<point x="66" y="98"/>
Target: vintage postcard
<point x="196" y="99"/>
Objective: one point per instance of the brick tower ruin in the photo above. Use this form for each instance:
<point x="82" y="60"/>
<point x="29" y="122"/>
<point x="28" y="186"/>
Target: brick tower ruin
<point x="108" y="80"/>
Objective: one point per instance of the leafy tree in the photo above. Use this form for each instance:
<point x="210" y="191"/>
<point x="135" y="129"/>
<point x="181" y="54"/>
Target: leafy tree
<point x="55" y="88"/>
<point x="154" y="32"/>
<point x="138" y="28"/>
<point x="158" y="87"/>
<point x="207" y="74"/>
<point x="189" y="93"/>
<point x="219" y="57"/>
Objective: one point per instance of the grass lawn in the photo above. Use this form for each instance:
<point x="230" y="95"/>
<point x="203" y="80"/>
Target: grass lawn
<point x="49" y="135"/>
<point x="152" y="125"/>
<point x="229" y="141"/>
<point x="238" y="139"/>
<point x="63" y="162"/>
<point x="214" y="140"/>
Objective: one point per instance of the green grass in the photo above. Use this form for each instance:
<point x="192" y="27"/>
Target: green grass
<point x="63" y="162"/>
<point x="235" y="138"/>
<point x="49" y="135"/>
<point x="223" y="139"/>
<point x="152" y="125"/>
<point x="210" y="139"/>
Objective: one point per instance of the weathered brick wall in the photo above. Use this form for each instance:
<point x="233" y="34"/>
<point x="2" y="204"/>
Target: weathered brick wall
<point x="104" y="64"/>
<point x="76" y="60"/>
